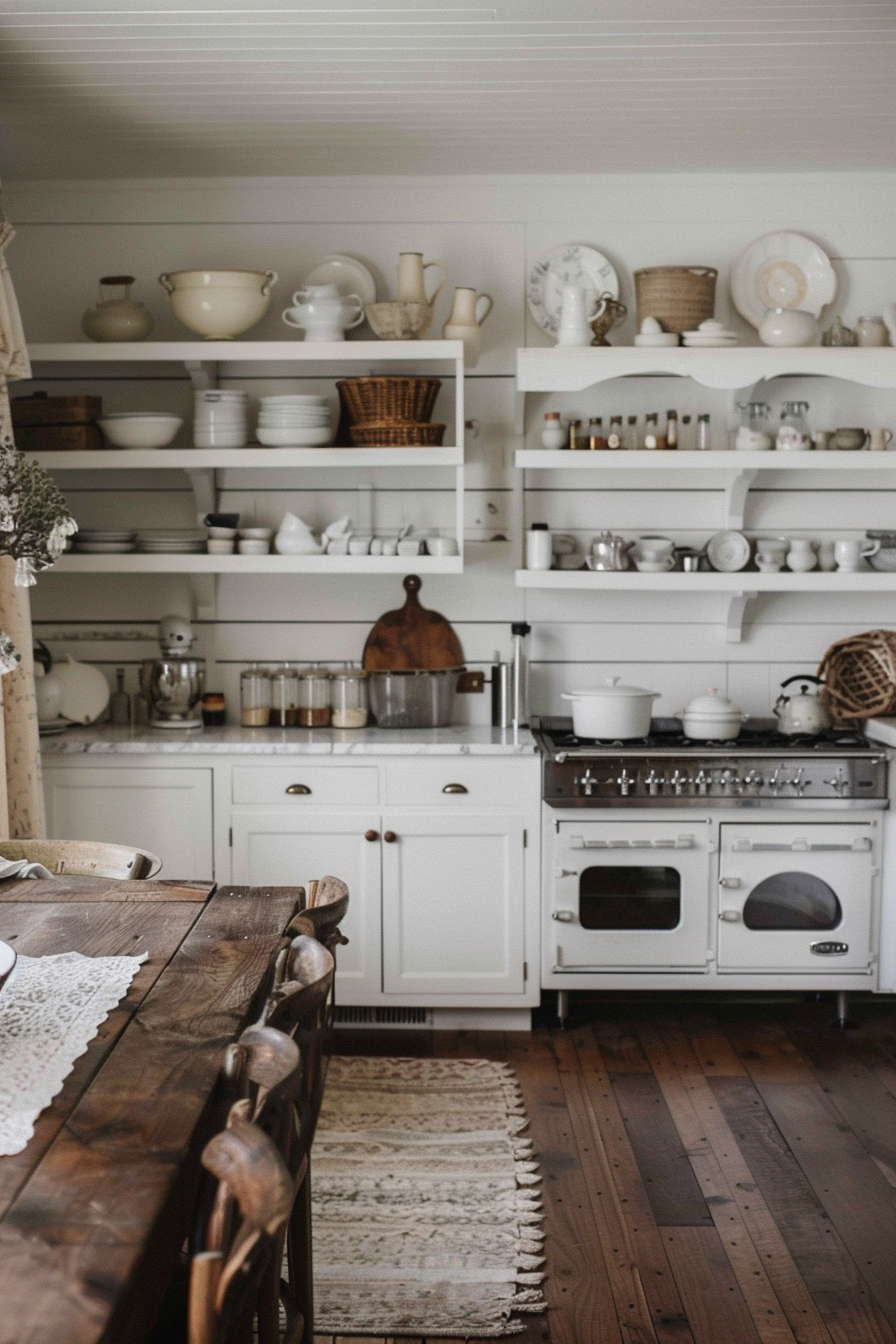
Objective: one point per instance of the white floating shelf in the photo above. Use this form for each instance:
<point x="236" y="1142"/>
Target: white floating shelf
<point x="572" y="369"/>
<point x="134" y="562"/>
<point x="864" y="581"/>
<point x="230" y="352"/>
<point x="192" y="459"/>
<point x="582" y="460"/>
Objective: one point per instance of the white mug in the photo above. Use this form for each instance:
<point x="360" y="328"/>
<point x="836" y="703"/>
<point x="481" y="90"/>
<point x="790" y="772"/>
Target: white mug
<point x="656" y="549"/>
<point x="879" y="440"/>
<point x="849" y="552"/>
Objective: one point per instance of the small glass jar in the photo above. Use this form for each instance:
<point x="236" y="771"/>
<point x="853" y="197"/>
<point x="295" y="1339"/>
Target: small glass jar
<point x="348" y="698"/>
<point x="794" y="434"/>
<point x="255" y="697"/>
<point x="285" y="697"/>
<point x="703" y="441"/>
<point x="214" y="709"/>
<point x="314" y="699"/>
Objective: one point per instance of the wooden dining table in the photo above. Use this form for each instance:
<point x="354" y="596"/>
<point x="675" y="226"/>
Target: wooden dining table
<point x="94" y="1211"/>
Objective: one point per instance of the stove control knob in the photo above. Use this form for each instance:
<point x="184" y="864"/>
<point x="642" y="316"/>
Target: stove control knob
<point x="798" y="783"/>
<point x="840" y="784"/>
<point x="753" y="780"/>
<point x="586" y="782"/>
<point x="728" y="780"/>
<point x="654" y="783"/>
<point x="679" y="782"/>
<point x="624" y="782"/>
<point x="703" y="781"/>
<point x="776" y="779"/>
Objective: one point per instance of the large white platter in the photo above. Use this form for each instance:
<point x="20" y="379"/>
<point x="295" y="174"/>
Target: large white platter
<point x="782" y="270"/>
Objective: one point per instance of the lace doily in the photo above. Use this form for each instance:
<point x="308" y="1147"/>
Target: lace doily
<point x="50" y="1011"/>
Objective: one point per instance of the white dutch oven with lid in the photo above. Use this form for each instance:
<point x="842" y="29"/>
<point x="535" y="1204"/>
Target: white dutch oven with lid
<point x="710" y="717"/>
<point x="611" y="711"/>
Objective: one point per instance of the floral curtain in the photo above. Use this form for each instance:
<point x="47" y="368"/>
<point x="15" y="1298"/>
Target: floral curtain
<point x="34" y="523"/>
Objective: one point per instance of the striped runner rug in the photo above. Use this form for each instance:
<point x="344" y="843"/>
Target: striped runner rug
<point x="426" y="1204"/>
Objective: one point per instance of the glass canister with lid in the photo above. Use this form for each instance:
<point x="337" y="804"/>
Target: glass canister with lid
<point x="255" y="697"/>
<point x="314" y="698"/>
<point x="794" y="435"/>
<point x="755" y="433"/>
<point x="285" y="696"/>
<point x="349" y="698"/>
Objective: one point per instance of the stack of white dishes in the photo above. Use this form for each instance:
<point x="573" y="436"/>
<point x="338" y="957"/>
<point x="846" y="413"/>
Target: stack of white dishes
<point x="104" y="541"/>
<point x="221" y="419"/>
<point x="710" y="333"/>
<point x="298" y="421"/>
<point x="177" y="541"/>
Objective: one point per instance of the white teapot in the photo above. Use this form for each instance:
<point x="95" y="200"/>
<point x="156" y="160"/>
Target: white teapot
<point x="803" y="713"/>
<point x="323" y="314"/>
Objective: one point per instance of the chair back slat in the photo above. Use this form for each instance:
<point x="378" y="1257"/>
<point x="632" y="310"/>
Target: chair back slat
<point x="85" y="858"/>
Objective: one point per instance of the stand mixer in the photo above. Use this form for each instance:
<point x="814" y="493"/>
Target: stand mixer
<point x="173" y="684"/>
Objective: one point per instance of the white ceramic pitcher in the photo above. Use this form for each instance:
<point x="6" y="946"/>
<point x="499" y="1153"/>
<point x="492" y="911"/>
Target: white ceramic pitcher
<point x="575" y="302"/>
<point x="411" y="276"/>
<point x="465" y="322"/>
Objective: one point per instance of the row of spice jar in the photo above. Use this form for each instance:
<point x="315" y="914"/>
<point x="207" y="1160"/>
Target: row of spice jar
<point x="289" y="697"/>
<point x="689" y="433"/>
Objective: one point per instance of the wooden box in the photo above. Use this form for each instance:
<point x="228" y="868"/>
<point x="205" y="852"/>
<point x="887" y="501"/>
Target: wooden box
<point x="57" y="438"/>
<point x="41" y="409"/>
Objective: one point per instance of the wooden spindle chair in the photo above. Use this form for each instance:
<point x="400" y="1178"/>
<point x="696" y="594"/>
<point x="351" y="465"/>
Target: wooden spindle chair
<point x="243" y="1233"/>
<point x="299" y="1005"/>
<point x="84" y="858"/>
<point x="325" y="908"/>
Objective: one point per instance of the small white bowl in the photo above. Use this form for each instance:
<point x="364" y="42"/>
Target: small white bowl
<point x="295" y="438"/>
<point x="217" y="546"/>
<point x="359" y="545"/>
<point x="256" y="533"/>
<point x="140" y="431"/>
<point x="253" y="547"/>
<point x="222" y="534"/>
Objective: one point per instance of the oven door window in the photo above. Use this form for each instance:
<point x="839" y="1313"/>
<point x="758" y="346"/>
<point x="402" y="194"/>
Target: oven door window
<point x="632" y="897"/>
<point x="792" y="901"/>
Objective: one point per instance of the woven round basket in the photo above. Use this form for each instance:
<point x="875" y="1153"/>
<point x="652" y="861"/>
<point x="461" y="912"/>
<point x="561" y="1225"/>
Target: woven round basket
<point x="681" y="297"/>
<point x="860" y="675"/>
<point x="389" y="434"/>
<point x="372" y="400"/>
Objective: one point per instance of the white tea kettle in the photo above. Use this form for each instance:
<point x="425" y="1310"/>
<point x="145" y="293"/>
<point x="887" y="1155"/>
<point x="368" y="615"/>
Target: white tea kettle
<point x="803" y="713"/>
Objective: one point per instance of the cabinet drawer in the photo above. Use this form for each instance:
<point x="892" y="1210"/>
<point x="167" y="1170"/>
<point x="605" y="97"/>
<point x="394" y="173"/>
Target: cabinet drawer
<point x="272" y="784"/>
<point x="492" y="783"/>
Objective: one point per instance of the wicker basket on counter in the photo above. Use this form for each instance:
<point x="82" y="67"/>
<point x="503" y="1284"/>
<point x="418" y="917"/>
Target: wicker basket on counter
<point x="860" y="675"/>
<point x="390" y="434"/>
<point x="680" y="297"/>
<point x="398" y="399"/>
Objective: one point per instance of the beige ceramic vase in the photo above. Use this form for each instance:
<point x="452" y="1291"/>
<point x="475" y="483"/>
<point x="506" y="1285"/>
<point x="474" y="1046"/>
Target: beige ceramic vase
<point x="467" y="317"/>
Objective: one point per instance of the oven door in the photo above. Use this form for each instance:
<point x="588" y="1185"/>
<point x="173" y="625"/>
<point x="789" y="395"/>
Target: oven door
<point x="796" y="897"/>
<point x="629" y="895"/>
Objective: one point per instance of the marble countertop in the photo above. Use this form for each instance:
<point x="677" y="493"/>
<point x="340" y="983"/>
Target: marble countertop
<point x="103" y="740"/>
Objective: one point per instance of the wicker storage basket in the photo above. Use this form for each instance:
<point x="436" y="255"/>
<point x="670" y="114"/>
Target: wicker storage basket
<point x="388" y="434"/>
<point x="407" y="400"/>
<point x="681" y="297"/>
<point x="860" y="675"/>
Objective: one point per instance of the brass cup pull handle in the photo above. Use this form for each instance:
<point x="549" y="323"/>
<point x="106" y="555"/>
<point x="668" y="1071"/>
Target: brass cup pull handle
<point x="390" y="837"/>
<point x="371" y="835"/>
<point x="455" y="788"/>
<point x="297" y="788"/>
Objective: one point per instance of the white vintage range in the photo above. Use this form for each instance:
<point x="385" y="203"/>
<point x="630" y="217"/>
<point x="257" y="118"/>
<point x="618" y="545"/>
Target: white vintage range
<point x="671" y="864"/>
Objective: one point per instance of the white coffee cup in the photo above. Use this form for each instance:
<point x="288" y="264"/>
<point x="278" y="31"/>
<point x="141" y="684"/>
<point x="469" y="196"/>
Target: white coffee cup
<point x="653" y="550"/>
<point x="441" y="545"/>
<point x="849" y="552"/>
<point x="772" y="550"/>
<point x="879" y="440"/>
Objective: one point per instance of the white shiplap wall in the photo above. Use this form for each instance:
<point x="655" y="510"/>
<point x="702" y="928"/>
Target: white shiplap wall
<point x="486" y="230"/>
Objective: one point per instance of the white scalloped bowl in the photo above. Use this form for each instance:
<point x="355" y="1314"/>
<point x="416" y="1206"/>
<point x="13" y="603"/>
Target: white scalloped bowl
<point x="7" y="962"/>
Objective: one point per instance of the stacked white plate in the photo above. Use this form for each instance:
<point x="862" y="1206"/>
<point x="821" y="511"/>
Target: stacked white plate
<point x="178" y="541"/>
<point x="710" y="333"/>
<point x="220" y="419"/>
<point x="104" y="541"/>
<point x="299" y="421"/>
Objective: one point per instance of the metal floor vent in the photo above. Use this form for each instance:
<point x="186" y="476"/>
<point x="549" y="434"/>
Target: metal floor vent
<point x="383" y="1017"/>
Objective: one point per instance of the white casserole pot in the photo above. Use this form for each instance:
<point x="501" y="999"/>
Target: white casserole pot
<point x="711" y="716"/>
<point x="611" y="711"/>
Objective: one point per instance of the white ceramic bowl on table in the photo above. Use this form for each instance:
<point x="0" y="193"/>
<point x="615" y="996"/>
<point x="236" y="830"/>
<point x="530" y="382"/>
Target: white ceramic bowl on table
<point x="218" y="305"/>
<point x="611" y="711"/>
<point x="140" y="430"/>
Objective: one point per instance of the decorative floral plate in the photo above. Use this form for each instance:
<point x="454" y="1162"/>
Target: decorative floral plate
<point x="782" y="270"/>
<point x="569" y="265"/>
<point x="728" y="552"/>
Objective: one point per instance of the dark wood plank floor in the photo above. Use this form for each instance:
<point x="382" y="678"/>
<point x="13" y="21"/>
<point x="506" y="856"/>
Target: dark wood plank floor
<point x="714" y="1172"/>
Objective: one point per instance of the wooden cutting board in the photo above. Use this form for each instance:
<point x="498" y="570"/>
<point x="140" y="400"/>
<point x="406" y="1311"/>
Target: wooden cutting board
<point x="412" y="638"/>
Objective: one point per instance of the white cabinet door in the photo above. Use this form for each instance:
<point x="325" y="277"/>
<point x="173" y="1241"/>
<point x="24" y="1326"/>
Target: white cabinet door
<point x="283" y="848"/>
<point x="453" y="904"/>
<point x="166" y="811"/>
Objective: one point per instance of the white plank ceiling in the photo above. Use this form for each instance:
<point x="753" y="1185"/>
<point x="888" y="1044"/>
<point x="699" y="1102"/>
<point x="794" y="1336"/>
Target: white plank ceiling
<point x="126" y="88"/>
